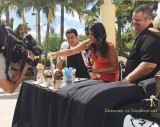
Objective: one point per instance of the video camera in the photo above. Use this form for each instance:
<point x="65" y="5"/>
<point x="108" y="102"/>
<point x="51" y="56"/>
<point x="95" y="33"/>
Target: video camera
<point x="16" y="46"/>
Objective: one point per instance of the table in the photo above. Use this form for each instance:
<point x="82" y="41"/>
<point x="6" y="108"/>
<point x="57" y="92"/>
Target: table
<point x="35" y="107"/>
<point x="84" y="104"/>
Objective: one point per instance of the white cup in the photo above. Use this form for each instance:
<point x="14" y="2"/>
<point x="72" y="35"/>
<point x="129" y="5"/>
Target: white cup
<point x="48" y="81"/>
<point x="40" y="78"/>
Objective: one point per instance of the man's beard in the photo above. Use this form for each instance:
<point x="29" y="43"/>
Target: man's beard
<point x="137" y="30"/>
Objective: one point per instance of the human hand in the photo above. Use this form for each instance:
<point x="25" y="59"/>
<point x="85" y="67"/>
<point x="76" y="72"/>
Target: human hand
<point x="93" y="69"/>
<point x="53" y="55"/>
<point x="126" y="80"/>
<point x="88" y="43"/>
<point x="30" y="55"/>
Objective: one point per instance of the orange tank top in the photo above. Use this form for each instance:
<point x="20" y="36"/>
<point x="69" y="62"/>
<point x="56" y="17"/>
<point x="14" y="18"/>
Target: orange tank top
<point x="101" y="62"/>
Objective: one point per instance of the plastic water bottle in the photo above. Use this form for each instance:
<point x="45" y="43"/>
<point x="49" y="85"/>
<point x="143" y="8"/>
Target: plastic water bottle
<point x="64" y="78"/>
<point x="52" y="65"/>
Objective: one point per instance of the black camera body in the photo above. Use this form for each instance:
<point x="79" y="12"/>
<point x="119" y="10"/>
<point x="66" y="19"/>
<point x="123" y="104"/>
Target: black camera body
<point x="32" y="46"/>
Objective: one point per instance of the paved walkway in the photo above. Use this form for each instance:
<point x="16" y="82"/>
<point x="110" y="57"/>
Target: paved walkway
<point x="7" y="106"/>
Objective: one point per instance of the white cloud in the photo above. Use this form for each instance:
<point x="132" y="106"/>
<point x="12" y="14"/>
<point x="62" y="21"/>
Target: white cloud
<point x="66" y="27"/>
<point x="89" y="8"/>
<point x="43" y="35"/>
<point x="3" y="17"/>
<point x="81" y="32"/>
<point x="70" y="17"/>
<point x="58" y="13"/>
<point x="14" y="26"/>
<point x="57" y="30"/>
<point x="43" y="26"/>
<point x="41" y="13"/>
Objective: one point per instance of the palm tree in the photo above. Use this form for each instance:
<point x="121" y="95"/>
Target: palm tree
<point x="124" y="10"/>
<point x="62" y="23"/>
<point x="11" y="21"/>
<point x="49" y="10"/>
<point x="4" y="7"/>
<point x="20" y="5"/>
<point x="53" y="42"/>
<point x="121" y="20"/>
<point x="96" y="11"/>
<point x="37" y="4"/>
<point x="80" y="7"/>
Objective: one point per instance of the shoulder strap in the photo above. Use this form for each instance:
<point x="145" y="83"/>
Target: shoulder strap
<point x="69" y="46"/>
<point x="8" y="55"/>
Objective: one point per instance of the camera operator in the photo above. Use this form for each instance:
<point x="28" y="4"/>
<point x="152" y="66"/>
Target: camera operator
<point x="5" y="84"/>
<point x="16" y="54"/>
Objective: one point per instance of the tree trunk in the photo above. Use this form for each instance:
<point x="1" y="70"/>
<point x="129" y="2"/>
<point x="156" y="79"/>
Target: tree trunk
<point x="23" y="18"/>
<point x="46" y="48"/>
<point x="62" y="23"/>
<point x="39" y="31"/>
<point x="7" y="15"/>
<point x="24" y="23"/>
<point x="47" y="36"/>
<point x="119" y="40"/>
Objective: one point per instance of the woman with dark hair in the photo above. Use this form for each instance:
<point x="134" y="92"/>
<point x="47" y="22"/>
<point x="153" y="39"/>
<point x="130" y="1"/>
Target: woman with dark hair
<point x="103" y="53"/>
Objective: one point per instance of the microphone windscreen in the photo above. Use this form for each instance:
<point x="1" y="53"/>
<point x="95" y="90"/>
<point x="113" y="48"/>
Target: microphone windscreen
<point x="87" y="50"/>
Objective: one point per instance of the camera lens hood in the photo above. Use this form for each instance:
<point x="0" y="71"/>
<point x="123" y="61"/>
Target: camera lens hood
<point x="37" y="51"/>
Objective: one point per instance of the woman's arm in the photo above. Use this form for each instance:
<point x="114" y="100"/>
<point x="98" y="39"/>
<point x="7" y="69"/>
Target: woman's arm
<point x="113" y="59"/>
<point x="10" y="87"/>
<point x="68" y="52"/>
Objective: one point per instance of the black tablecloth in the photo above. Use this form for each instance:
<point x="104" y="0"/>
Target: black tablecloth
<point x="36" y="107"/>
<point x="91" y="103"/>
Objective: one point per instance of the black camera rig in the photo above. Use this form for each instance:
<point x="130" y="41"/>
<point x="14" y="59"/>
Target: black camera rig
<point x="17" y="45"/>
<point x="14" y="48"/>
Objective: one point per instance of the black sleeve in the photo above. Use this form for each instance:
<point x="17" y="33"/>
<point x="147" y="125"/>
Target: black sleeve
<point x="150" y="50"/>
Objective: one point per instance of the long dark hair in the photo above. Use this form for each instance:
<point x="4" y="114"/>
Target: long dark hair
<point x="99" y="33"/>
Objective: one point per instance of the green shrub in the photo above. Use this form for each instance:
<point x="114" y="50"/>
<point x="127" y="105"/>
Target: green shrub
<point x="47" y="63"/>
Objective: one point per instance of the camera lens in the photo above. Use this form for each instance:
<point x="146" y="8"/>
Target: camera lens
<point x="37" y="50"/>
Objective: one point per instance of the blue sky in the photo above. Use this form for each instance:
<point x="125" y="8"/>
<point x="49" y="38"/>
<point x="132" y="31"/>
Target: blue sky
<point x="69" y="22"/>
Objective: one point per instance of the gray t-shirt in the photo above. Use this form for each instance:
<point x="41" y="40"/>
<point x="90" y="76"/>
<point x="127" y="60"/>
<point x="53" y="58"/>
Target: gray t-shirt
<point x="3" y="67"/>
